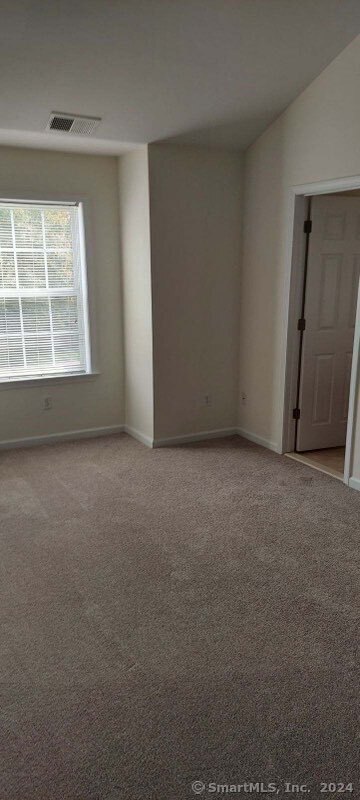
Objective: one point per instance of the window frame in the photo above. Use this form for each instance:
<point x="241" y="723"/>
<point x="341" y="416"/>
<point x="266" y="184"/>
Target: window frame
<point x="86" y="276"/>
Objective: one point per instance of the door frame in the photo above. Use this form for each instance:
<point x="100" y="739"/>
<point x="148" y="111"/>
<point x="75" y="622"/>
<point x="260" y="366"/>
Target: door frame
<point x="296" y="239"/>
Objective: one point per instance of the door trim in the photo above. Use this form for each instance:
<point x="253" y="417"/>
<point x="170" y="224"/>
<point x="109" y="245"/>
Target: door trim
<point x="295" y="249"/>
<point x="354" y="381"/>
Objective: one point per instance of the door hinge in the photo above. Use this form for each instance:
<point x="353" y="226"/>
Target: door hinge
<point x="308" y="226"/>
<point x="301" y="324"/>
<point x="296" y="413"/>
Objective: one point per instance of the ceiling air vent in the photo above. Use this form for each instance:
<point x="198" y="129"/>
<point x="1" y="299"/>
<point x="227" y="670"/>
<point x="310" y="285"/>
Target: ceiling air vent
<point x="72" y="123"/>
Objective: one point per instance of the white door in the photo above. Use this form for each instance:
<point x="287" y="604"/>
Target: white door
<point x="330" y="309"/>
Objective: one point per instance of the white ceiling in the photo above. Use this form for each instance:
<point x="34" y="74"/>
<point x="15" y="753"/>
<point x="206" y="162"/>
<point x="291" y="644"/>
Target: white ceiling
<point x="211" y="72"/>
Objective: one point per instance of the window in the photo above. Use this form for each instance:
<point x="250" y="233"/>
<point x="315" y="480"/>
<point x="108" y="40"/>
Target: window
<point x="43" y="308"/>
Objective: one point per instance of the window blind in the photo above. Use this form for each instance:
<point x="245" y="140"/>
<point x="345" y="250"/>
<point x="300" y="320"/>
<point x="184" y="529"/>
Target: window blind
<point x="42" y="297"/>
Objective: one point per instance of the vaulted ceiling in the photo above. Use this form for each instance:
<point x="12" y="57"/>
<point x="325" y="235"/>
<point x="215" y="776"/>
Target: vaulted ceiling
<point x="211" y="72"/>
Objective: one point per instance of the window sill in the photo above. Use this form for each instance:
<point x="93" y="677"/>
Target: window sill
<point x="48" y="380"/>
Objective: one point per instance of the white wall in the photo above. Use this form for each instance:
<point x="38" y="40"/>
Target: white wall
<point x="195" y="213"/>
<point x="317" y="138"/>
<point x="136" y="270"/>
<point x="82" y="403"/>
<point x="180" y="278"/>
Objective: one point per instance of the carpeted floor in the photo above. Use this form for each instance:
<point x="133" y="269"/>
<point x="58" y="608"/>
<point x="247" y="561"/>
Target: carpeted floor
<point x="174" y="615"/>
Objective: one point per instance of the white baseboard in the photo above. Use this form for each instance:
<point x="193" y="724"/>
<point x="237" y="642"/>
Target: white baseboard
<point x="195" y="437"/>
<point x="51" y="438"/>
<point x="87" y="433"/>
<point x="141" y="437"/>
<point x="253" y="437"/>
<point x="354" y="483"/>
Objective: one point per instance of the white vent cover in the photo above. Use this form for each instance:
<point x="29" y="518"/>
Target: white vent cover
<point x="72" y="123"/>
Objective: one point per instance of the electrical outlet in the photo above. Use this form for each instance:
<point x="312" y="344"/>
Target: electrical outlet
<point x="243" y="398"/>
<point x="207" y="400"/>
<point x="47" y="403"/>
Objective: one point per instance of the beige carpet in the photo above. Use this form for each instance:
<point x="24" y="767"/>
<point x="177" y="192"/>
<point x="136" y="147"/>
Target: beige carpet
<point x="175" y="615"/>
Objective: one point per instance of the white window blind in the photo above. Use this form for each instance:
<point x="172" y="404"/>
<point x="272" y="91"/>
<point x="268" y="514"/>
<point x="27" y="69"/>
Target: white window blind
<point x="43" y="309"/>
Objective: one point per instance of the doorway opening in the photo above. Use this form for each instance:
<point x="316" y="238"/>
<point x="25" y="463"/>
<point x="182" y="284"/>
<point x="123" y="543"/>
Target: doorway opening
<point x="331" y="461"/>
<point x="323" y="312"/>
